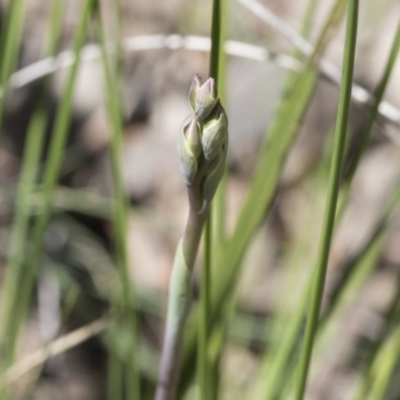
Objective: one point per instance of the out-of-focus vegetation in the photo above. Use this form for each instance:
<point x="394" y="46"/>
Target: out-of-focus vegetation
<point x="92" y="203"/>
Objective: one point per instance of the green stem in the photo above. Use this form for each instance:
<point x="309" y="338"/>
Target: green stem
<point x="333" y="191"/>
<point x="205" y="286"/>
<point x="204" y="332"/>
<point x="215" y="40"/>
<point x="125" y="298"/>
<point x="178" y="304"/>
<point x="10" y="45"/>
<point x="219" y="203"/>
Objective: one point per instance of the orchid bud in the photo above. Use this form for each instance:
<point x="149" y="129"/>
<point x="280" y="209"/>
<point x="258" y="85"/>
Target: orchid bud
<point x="189" y="149"/>
<point x="203" y="97"/>
<point x="215" y="132"/>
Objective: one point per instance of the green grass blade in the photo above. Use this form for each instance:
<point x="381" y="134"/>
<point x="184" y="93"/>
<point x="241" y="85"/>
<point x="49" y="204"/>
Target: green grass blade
<point x="219" y="203"/>
<point x="204" y="377"/>
<point x="10" y="44"/>
<point x="124" y="301"/>
<point x="333" y="191"/>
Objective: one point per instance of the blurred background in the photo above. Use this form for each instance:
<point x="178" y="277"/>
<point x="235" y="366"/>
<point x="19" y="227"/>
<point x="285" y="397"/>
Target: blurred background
<point x="72" y="284"/>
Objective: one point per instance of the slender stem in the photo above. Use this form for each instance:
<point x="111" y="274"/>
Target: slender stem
<point x="178" y="304"/>
<point x="192" y="235"/>
<point x="125" y="297"/>
<point x="203" y="362"/>
<point x="334" y="181"/>
<point x="205" y="286"/>
<point x="11" y="36"/>
<point x="219" y="209"/>
<point x="215" y="40"/>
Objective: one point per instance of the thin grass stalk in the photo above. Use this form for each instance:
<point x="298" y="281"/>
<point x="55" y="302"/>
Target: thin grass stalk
<point x="204" y="368"/>
<point x="53" y="165"/>
<point x="115" y="366"/>
<point x="26" y="187"/>
<point x="121" y="211"/>
<point x="204" y="378"/>
<point x="178" y="306"/>
<point x="333" y="192"/>
<point x="114" y="381"/>
<point x="219" y="204"/>
<point x="218" y="214"/>
<point x="11" y="36"/>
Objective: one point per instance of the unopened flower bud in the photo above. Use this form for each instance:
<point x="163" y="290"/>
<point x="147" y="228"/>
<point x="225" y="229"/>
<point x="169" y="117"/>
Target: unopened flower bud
<point x="215" y="132"/>
<point x="203" y="97"/>
<point x="189" y="149"/>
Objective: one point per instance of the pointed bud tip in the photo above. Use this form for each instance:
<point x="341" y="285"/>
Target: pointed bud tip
<point x="202" y="96"/>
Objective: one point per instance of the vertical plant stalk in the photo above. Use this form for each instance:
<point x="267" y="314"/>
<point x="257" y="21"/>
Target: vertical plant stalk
<point x="125" y="299"/>
<point x="202" y="152"/>
<point x="333" y="191"/>
<point x="11" y="36"/>
<point x="205" y="282"/>
<point x="180" y="297"/>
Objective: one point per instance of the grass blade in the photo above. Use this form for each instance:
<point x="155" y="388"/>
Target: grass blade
<point x="124" y="302"/>
<point x="204" y="377"/>
<point x="333" y="191"/>
<point x="10" y="44"/>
